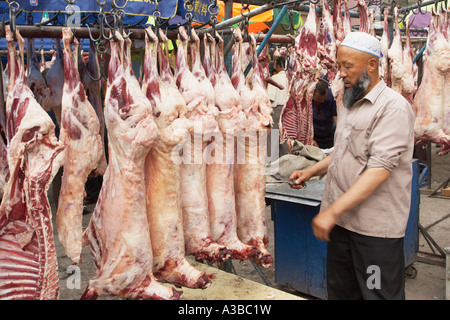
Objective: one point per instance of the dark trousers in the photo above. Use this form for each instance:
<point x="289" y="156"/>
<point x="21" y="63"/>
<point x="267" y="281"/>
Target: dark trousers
<point x="363" y="267"/>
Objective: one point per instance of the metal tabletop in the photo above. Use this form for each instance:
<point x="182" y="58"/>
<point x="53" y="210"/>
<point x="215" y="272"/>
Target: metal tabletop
<point x="311" y="195"/>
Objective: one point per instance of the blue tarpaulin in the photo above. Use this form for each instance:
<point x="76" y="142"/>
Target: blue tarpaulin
<point x="35" y="11"/>
<point x="167" y="8"/>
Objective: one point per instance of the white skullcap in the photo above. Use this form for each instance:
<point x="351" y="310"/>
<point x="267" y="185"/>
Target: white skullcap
<point x="364" y="42"/>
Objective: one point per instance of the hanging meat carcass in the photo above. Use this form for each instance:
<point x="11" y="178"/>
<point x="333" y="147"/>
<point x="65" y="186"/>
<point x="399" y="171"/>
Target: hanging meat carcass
<point x="372" y="22"/>
<point x="55" y="83"/>
<point x="118" y="232"/>
<point x="28" y="263"/>
<point x="200" y="238"/>
<point x="4" y="168"/>
<point x="220" y="167"/>
<point x="446" y="108"/>
<point x="197" y="234"/>
<point x="199" y="95"/>
<point x="364" y="22"/>
<point x="80" y="134"/>
<point x="93" y="93"/>
<point x="395" y="55"/>
<point x="296" y="122"/>
<point x="337" y="84"/>
<point x="251" y="150"/>
<point x="385" y="70"/>
<point x="201" y="110"/>
<point x="431" y="105"/>
<point x="35" y="79"/>
<point x="42" y="63"/>
<point x="408" y="82"/>
<point x="338" y="22"/>
<point x="327" y="48"/>
<point x="196" y="213"/>
<point x="163" y="175"/>
<point x="347" y="19"/>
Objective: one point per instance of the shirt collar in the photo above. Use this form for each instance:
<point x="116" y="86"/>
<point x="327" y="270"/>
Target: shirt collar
<point x="373" y="94"/>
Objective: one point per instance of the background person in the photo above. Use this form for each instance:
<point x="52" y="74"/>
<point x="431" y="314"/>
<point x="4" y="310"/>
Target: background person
<point x="278" y="99"/>
<point x="324" y="115"/>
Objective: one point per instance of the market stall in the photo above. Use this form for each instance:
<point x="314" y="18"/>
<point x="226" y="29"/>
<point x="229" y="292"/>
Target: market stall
<point x="165" y="104"/>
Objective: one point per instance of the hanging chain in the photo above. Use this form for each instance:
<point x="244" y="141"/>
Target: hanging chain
<point x="245" y="22"/>
<point x="157" y="17"/>
<point x="188" y="7"/>
<point x="213" y="11"/>
<point x="13" y="9"/>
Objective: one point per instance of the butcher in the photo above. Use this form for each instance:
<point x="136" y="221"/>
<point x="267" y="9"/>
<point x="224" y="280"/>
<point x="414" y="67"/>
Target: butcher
<point x="278" y="98"/>
<point x="366" y="201"/>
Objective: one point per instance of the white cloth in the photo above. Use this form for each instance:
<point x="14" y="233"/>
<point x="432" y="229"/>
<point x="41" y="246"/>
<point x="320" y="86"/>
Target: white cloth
<point x="364" y="42"/>
<point x="278" y="97"/>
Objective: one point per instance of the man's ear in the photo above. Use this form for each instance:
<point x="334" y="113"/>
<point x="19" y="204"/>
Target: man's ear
<point x="373" y="65"/>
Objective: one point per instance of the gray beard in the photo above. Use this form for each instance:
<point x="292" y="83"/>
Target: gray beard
<point x="357" y="91"/>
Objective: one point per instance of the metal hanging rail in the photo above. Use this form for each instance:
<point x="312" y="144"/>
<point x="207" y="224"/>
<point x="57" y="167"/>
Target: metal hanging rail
<point x="137" y="34"/>
<point x="427" y="3"/>
<point x="225" y="27"/>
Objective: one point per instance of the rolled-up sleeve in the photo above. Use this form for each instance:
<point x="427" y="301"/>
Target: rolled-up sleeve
<point x="392" y="135"/>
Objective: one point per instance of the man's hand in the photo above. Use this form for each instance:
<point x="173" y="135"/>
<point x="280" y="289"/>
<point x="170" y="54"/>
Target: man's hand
<point x="299" y="176"/>
<point x="315" y="144"/>
<point x="322" y="225"/>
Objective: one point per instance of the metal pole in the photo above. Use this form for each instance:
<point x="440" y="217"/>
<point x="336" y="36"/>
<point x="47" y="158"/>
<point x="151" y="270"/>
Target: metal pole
<point x="447" y="273"/>
<point x="237" y="19"/>
<point x="228" y="39"/>
<point x="421" y="5"/>
<point x="419" y="53"/>
<point x="83" y="32"/>
<point x="267" y="37"/>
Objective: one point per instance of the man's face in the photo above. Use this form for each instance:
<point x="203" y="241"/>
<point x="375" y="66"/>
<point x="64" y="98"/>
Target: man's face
<point x="353" y="71"/>
<point x="351" y="64"/>
<point x="318" y="98"/>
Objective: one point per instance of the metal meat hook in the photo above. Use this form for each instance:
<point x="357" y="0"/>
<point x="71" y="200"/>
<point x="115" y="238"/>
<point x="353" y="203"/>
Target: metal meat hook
<point x="419" y="7"/>
<point x="101" y="63"/>
<point x="291" y="22"/>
